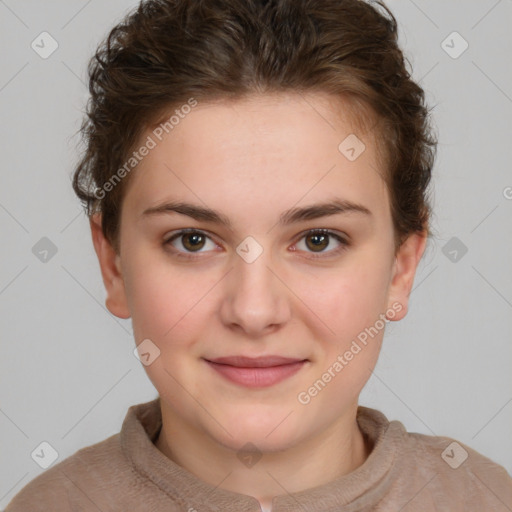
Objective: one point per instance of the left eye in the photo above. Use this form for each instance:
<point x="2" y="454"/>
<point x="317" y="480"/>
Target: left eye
<point x="320" y="239"/>
<point x="193" y="240"/>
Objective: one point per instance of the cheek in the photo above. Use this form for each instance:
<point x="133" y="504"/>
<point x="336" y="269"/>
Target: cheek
<point x="154" y="295"/>
<point x="347" y="301"/>
<point x="165" y="300"/>
<point x="346" y="353"/>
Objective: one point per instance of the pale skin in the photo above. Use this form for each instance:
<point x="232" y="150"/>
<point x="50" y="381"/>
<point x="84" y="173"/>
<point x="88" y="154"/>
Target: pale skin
<point x="252" y="160"/>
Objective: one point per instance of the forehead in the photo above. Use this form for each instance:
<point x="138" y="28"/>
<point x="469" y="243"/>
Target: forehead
<point x="256" y="119"/>
<point x="260" y="151"/>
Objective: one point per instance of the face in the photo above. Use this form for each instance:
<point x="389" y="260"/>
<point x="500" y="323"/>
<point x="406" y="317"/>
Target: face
<point x="266" y="282"/>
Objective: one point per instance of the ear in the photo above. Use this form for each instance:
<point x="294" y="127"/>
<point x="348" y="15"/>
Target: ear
<point x="404" y="269"/>
<point x="110" y="264"/>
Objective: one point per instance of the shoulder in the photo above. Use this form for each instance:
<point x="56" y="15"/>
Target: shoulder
<point x="73" y="480"/>
<point x="454" y="473"/>
<point x="428" y="472"/>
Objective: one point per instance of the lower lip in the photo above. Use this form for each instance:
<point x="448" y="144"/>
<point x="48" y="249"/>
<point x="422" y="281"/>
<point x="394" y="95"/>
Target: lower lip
<point x="257" y="377"/>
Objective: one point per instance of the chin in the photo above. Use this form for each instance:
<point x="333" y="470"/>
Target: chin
<point x="269" y="435"/>
<point x="248" y="440"/>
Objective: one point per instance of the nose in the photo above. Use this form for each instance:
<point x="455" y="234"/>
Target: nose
<point x="256" y="300"/>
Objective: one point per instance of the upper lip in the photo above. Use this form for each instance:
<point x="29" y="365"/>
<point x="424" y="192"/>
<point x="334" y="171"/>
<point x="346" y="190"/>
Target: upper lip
<point x="255" y="362"/>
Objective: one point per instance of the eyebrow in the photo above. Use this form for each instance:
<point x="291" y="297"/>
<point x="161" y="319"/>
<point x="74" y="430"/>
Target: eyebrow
<point x="294" y="215"/>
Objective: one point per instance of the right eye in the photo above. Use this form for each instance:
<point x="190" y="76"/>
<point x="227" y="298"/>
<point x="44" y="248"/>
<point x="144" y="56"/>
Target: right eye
<point x="190" y="240"/>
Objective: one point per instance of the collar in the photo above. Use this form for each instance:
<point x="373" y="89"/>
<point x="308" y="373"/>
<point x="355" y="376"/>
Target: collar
<point x="372" y="479"/>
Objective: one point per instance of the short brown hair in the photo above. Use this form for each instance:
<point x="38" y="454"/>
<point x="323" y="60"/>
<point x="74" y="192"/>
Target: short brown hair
<point x="167" y="51"/>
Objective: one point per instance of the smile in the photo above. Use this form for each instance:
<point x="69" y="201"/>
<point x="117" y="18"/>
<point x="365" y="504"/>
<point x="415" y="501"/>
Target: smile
<point x="256" y="373"/>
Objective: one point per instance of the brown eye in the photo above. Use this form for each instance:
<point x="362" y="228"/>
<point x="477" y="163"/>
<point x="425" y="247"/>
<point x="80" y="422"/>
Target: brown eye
<point x="193" y="241"/>
<point x="188" y="241"/>
<point x="320" y="241"/>
<point x="317" y="241"/>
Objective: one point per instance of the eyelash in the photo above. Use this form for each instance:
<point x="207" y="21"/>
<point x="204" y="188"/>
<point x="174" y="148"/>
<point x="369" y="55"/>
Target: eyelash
<point x="344" y="243"/>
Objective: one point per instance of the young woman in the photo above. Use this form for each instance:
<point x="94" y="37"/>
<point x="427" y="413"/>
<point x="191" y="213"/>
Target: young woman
<point x="256" y="178"/>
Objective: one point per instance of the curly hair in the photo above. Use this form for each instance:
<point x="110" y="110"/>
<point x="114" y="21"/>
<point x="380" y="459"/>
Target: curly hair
<point x="165" y="52"/>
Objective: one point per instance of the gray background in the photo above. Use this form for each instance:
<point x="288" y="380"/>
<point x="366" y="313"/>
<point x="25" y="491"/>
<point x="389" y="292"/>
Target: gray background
<point x="67" y="366"/>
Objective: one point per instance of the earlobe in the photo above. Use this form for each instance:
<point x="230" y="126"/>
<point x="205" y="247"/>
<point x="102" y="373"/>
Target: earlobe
<point x="110" y="267"/>
<point x="404" y="269"/>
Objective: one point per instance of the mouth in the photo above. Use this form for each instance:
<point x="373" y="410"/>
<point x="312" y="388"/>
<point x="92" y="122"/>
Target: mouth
<point x="256" y="372"/>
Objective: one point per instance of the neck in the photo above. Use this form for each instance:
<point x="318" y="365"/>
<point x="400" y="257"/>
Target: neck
<point x="308" y="464"/>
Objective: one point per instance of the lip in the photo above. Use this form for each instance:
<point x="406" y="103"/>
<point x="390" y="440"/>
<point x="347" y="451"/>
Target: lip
<point x="256" y="372"/>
